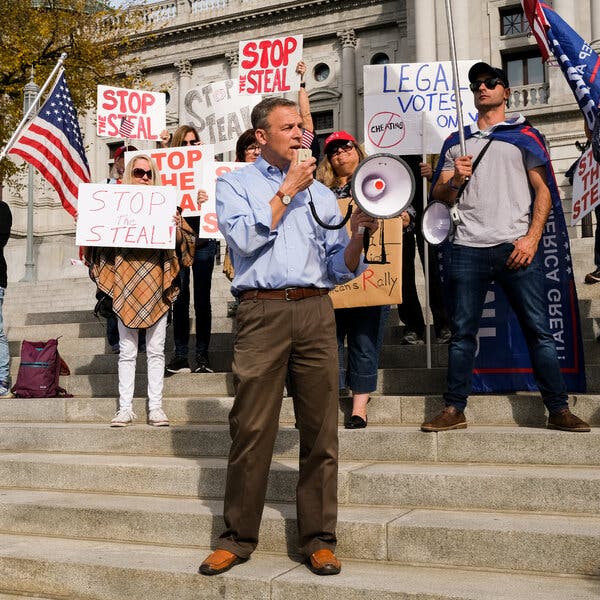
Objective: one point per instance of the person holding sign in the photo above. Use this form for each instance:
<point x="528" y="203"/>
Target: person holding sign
<point x="503" y="212"/>
<point x="361" y="326"/>
<point x="202" y="269"/>
<point x="285" y="264"/>
<point x="142" y="283"/>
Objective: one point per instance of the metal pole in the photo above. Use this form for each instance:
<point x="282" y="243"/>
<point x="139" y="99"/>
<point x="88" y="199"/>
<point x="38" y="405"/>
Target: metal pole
<point x="30" y="103"/>
<point x="452" y="44"/>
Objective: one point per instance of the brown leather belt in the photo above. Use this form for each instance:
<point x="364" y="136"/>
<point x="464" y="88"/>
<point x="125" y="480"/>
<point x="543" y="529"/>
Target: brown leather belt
<point x="291" y="293"/>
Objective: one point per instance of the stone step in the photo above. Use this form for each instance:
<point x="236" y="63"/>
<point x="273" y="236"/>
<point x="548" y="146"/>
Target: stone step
<point x="525" y="488"/>
<point x="508" y="541"/>
<point x="84" y="569"/>
<point x="523" y="409"/>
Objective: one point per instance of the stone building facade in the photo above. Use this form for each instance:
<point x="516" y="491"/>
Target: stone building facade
<point x="194" y="42"/>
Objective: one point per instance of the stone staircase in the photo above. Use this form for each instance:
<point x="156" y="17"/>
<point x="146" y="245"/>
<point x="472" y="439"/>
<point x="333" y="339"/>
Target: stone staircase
<point x="504" y="510"/>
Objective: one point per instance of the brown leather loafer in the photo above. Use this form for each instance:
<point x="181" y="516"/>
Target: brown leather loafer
<point x="449" y="418"/>
<point x="219" y="562"/>
<point x="324" y="562"/>
<point x="565" y="420"/>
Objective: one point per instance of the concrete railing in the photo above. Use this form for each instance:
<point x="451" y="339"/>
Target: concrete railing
<point x="529" y="95"/>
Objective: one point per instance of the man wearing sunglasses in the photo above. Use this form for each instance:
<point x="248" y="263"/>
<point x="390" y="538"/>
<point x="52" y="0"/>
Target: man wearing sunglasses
<point x="503" y="211"/>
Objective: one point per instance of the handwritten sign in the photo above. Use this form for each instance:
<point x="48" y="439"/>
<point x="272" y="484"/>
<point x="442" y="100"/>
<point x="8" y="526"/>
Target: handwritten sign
<point x="268" y="66"/>
<point x="126" y="216"/>
<point x="131" y="114"/>
<point x="182" y="169"/>
<point x="586" y="195"/>
<point x="397" y="95"/>
<point x="211" y="170"/>
<point x="219" y="113"/>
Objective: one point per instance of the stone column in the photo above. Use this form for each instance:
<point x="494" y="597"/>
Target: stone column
<point x="426" y="42"/>
<point x="461" y="19"/>
<point x="566" y="10"/>
<point x="348" y="42"/>
<point x="233" y="62"/>
<point x="595" y="23"/>
<point x="185" y="83"/>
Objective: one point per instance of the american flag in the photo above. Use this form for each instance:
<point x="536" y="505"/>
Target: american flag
<point x="307" y="138"/>
<point x="126" y="127"/>
<point x="53" y="144"/>
<point x="538" y="23"/>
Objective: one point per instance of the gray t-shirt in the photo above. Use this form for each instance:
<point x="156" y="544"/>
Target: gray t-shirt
<point x="496" y="204"/>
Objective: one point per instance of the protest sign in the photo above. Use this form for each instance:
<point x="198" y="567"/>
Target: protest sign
<point x="586" y="195"/>
<point x="126" y="216"/>
<point x="397" y="95"/>
<point x="208" y="217"/>
<point x="131" y="114"/>
<point x="182" y="168"/>
<point x="219" y="113"/>
<point x="268" y="66"/>
<point x="379" y="284"/>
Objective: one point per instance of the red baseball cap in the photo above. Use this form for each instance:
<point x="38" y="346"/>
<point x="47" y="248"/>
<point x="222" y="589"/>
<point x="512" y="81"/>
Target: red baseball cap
<point x="338" y="136"/>
<point x="121" y="149"/>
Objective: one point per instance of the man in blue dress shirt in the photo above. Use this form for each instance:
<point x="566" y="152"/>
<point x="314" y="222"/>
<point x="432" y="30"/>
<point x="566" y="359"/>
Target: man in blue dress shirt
<point x="285" y="264"/>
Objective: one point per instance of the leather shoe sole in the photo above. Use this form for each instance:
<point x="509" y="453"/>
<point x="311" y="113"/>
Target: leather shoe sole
<point x="220" y="561"/>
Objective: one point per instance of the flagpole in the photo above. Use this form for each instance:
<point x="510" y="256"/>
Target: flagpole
<point x="452" y="44"/>
<point x="33" y="106"/>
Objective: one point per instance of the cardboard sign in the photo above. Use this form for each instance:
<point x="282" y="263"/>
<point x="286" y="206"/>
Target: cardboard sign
<point x="268" y="66"/>
<point x="378" y="285"/>
<point x="397" y="95"/>
<point x="219" y="113"/>
<point x="208" y="217"/>
<point x="182" y="169"/>
<point x="130" y="114"/>
<point x="586" y="195"/>
<point x="126" y="216"/>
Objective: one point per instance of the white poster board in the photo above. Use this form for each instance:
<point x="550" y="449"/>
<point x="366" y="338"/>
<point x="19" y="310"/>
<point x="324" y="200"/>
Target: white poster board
<point x="182" y="169"/>
<point x="397" y="95"/>
<point x="219" y="113"/>
<point x="586" y="195"/>
<point x="268" y="66"/>
<point x="130" y="114"/>
<point x="126" y="216"/>
<point x="208" y="218"/>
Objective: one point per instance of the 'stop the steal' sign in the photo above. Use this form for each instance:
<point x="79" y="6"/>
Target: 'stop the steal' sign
<point x="131" y="114"/>
<point x="397" y="96"/>
<point x="268" y="66"/>
<point x="586" y="195"/>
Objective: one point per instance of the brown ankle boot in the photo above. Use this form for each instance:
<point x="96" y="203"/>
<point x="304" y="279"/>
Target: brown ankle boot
<point x="449" y="418"/>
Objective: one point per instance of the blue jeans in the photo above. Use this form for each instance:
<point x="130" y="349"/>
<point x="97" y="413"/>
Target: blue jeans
<point x="597" y="239"/>
<point x="363" y="326"/>
<point x="202" y="268"/>
<point x="4" y="353"/>
<point x="471" y="273"/>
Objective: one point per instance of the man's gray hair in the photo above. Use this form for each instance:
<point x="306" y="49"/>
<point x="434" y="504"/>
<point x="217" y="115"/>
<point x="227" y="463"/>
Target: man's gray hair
<point x="263" y="109"/>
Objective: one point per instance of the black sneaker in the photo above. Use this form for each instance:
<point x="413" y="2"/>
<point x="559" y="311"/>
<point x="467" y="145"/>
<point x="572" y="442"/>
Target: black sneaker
<point x="593" y="277"/>
<point x="202" y="365"/>
<point x="179" y="364"/>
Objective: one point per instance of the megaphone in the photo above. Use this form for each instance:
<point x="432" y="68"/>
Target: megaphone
<point x="437" y="223"/>
<point x="383" y="186"/>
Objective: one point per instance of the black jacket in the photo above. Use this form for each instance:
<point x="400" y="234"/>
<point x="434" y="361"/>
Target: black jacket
<point x="5" y="225"/>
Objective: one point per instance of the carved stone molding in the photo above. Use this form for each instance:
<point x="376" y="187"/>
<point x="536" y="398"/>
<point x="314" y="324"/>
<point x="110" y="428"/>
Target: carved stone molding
<point x="347" y="38"/>
<point x="184" y="67"/>
<point x="233" y="58"/>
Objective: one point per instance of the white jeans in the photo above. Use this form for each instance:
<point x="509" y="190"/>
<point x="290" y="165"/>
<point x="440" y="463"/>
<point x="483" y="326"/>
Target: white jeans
<point x="155" y="358"/>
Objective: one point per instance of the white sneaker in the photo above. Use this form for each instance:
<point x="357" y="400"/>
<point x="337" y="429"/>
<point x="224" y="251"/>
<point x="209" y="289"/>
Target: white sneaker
<point x="157" y="418"/>
<point x="123" y="417"/>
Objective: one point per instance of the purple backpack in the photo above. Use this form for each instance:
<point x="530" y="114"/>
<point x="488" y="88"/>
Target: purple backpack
<point x="39" y="371"/>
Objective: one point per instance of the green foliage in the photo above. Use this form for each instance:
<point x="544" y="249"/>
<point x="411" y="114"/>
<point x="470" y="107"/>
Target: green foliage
<point x="36" y="32"/>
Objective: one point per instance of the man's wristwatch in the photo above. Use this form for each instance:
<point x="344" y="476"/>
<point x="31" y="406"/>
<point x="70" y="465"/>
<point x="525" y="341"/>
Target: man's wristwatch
<point x="285" y="199"/>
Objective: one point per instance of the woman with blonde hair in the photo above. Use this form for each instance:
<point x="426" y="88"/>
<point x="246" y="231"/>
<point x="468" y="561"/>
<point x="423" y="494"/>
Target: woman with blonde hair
<point x="142" y="283"/>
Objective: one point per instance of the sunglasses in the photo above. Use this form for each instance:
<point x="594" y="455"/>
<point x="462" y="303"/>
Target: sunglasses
<point x="343" y="147"/>
<point x="253" y="148"/>
<point x="192" y="143"/>
<point x="139" y="173"/>
<point x="489" y="83"/>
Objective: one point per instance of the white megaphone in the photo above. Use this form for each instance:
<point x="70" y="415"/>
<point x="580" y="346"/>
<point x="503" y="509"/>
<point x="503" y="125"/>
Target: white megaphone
<point x="438" y="222"/>
<point x="383" y="186"/>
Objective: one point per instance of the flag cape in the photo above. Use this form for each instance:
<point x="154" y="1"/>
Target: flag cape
<point x="53" y="144"/>
<point x="502" y="363"/>
<point x="579" y="63"/>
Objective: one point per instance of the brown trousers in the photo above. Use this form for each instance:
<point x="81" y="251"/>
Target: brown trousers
<point x="270" y="335"/>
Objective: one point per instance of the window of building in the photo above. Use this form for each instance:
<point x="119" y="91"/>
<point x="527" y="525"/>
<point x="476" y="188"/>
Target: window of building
<point x="323" y="124"/>
<point x="513" y="21"/>
<point x="524" y="68"/>
<point x="381" y="58"/>
<point x="321" y="72"/>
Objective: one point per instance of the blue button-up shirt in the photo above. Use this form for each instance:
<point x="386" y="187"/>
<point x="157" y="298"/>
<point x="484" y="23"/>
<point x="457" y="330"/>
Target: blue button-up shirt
<point x="298" y="252"/>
